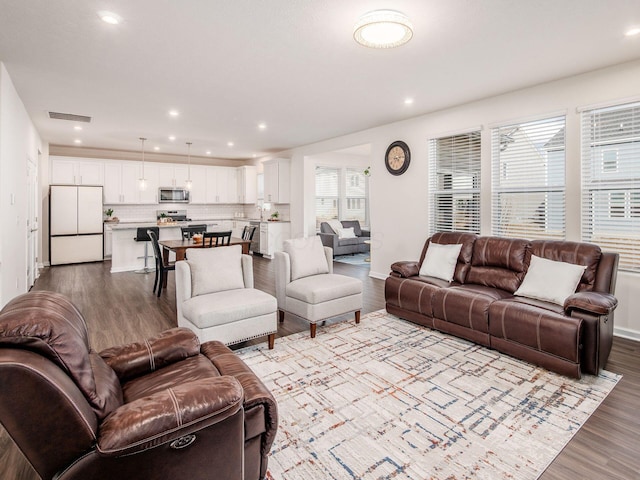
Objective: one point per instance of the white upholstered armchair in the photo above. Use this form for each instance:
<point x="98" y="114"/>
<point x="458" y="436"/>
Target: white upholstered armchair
<point x="215" y="297"/>
<point x="307" y="287"/>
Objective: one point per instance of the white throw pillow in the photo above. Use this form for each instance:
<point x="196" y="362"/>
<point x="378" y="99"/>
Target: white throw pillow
<point x="346" y="233"/>
<point x="215" y="269"/>
<point x="307" y="257"/>
<point x="335" y="225"/>
<point x="440" y="261"/>
<point x="550" y="281"/>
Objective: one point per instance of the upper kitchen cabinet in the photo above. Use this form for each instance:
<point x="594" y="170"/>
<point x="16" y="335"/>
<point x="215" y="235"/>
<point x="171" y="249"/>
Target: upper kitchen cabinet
<point x="122" y="183"/>
<point x="222" y="185"/>
<point x="276" y="180"/>
<point x="247" y="184"/>
<point x="73" y="171"/>
<point x="171" y="175"/>
<point x="198" y="192"/>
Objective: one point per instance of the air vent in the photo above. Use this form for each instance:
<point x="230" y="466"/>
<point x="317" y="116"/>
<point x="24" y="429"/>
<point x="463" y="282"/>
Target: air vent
<point x="69" y="116"/>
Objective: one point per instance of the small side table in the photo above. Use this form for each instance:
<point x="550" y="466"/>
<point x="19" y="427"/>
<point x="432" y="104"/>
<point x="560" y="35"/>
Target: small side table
<point x="368" y="242"/>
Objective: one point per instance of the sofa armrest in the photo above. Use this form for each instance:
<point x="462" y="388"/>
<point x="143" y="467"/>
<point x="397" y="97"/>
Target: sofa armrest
<point x="140" y="358"/>
<point x="365" y="233"/>
<point x="329" y="240"/>
<point x="593" y="302"/>
<point x="168" y="415"/>
<point x="405" y="268"/>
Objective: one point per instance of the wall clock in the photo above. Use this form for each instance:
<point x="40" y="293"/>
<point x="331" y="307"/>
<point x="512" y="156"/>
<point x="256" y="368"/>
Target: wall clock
<point x="397" y="158"/>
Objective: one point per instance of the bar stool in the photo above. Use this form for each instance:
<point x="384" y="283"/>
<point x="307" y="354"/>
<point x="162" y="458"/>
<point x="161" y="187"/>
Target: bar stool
<point x="143" y="236"/>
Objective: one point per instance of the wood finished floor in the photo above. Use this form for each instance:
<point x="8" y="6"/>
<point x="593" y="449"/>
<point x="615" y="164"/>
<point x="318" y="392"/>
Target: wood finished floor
<point x="120" y="308"/>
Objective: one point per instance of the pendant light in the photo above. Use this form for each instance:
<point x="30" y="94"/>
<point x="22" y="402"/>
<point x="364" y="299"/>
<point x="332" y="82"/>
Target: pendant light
<point x="142" y="182"/>
<point x="188" y="183"/>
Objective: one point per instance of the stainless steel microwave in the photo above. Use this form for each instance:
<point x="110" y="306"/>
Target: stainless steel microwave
<point x="173" y="195"/>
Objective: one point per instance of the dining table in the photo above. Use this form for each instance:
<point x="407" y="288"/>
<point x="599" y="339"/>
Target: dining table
<point x="180" y="247"/>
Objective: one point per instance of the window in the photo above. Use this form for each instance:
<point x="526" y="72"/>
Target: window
<point x="454" y="170"/>
<point x="528" y="191"/>
<point x="611" y="181"/>
<point x="341" y="193"/>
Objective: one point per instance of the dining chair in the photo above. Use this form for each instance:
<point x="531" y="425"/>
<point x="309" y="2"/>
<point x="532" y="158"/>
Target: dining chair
<point x="162" y="268"/>
<point x="216" y="239"/>
<point x="190" y="230"/>
<point x="248" y="232"/>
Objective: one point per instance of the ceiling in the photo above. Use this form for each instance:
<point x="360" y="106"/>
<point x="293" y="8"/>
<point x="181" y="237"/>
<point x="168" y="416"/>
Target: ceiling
<point x="227" y="66"/>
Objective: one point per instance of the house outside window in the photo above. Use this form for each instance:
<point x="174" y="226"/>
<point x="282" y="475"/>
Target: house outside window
<point x="341" y="193"/>
<point x="454" y="172"/>
<point x="610" y="160"/>
<point x="528" y="180"/>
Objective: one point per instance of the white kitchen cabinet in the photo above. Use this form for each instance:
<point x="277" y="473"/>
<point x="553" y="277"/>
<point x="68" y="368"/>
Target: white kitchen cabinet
<point x="73" y="171"/>
<point x="276" y="180"/>
<point x="122" y="183"/>
<point x="272" y="234"/>
<point x="247" y="184"/>
<point x="198" y="192"/>
<point x="173" y="175"/>
<point x="221" y="185"/>
<point x="108" y="240"/>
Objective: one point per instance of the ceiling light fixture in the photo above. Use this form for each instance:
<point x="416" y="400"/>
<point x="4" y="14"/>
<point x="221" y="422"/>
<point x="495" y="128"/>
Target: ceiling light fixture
<point x="142" y="182"/>
<point x="110" y="17"/>
<point x="156" y="148"/>
<point x="633" y="31"/>
<point x="208" y="152"/>
<point x="230" y="144"/>
<point x="172" y="137"/>
<point x="383" y="29"/>
<point x="77" y="127"/>
<point x="77" y="140"/>
<point x="189" y="182"/>
<point x="174" y="113"/>
<point x="408" y="101"/>
<point x="262" y="126"/>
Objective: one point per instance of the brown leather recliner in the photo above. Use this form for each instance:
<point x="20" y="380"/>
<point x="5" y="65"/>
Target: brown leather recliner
<point x="164" y="408"/>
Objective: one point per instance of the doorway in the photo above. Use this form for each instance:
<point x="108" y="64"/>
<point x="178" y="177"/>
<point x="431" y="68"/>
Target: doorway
<point x="32" y="222"/>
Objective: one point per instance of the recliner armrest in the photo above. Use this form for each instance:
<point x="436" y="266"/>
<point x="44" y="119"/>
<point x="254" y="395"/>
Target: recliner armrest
<point x="593" y="302"/>
<point x="139" y="358"/>
<point x="406" y="269"/>
<point x="168" y="415"/>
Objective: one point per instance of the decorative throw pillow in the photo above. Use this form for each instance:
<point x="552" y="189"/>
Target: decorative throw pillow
<point x="440" y="261"/>
<point x="215" y="269"/>
<point x="335" y="225"/>
<point x="307" y="257"/>
<point x="549" y="280"/>
<point x="346" y="233"/>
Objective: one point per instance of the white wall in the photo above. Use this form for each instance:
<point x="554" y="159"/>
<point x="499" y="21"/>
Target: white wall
<point x="19" y="142"/>
<point x="399" y="205"/>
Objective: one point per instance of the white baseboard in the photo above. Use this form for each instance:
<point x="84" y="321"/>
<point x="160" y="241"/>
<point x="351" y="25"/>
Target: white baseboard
<point x="626" y="333"/>
<point x="379" y="276"/>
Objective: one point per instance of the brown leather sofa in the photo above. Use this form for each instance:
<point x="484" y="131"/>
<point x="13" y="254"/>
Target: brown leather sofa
<point x="479" y="304"/>
<point x="164" y="408"/>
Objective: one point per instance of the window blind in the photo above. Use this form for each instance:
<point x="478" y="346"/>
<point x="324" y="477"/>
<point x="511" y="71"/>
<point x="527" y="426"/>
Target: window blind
<point x="327" y="194"/>
<point x="610" y="160"/>
<point x="528" y="179"/>
<point x="454" y="172"/>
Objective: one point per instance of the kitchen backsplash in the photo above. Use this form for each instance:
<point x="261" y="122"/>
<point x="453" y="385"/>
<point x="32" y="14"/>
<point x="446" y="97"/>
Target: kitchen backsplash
<point x="147" y="213"/>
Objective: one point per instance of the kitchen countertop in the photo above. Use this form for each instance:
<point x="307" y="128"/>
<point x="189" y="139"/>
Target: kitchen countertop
<point x="133" y="225"/>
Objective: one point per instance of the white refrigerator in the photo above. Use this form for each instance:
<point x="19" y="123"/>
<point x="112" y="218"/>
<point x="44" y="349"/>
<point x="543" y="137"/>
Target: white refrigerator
<point x="75" y="224"/>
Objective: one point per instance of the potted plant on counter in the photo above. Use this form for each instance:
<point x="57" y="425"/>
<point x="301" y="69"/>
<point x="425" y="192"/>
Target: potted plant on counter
<point x="108" y="212"/>
<point x="275" y="216"/>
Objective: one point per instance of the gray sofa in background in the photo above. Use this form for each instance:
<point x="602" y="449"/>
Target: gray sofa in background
<point x="344" y="246"/>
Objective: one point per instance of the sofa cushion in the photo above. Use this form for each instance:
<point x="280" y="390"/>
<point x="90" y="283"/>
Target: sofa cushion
<point x="586" y="254"/>
<point x="323" y="288"/>
<point x="550" y="280"/>
<point x="307" y="257"/>
<point x="440" y="261"/>
<point x="215" y="269"/>
<point x="498" y="262"/>
<point x="466" y="305"/>
<point x="541" y="327"/>
<point x="227" y="307"/>
<point x="348" y="241"/>
<point x="451" y="238"/>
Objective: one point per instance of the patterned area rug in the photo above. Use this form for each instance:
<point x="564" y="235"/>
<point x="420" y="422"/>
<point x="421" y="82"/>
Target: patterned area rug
<point x="390" y="399"/>
<point x="360" y="259"/>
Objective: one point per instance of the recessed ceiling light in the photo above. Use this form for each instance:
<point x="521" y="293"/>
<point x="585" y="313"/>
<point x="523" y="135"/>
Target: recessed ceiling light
<point x="110" y="17"/>
<point x="174" y="113"/>
<point x="632" y="31"/>
<point x="77" y="127"/>
<point x="208" y="152"/>
<point x="77" y="140"/>
<point x="156" y="148"/>
<point x="172" y="137"/>
<point x="262" y="126"/>
<point x="408" y="101"/>
<point x="383" y="29"/>
<point x="230" y="144"/>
